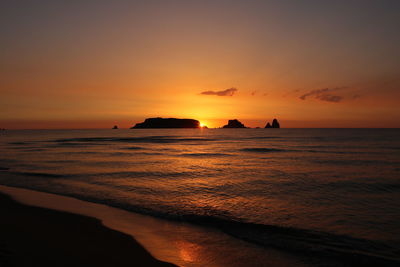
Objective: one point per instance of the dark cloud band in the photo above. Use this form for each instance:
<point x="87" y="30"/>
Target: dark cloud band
<point x="227" y="92"/>
<point x="325" y="94"/>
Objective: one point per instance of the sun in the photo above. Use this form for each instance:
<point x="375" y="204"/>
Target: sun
<point x="202" y="125"/>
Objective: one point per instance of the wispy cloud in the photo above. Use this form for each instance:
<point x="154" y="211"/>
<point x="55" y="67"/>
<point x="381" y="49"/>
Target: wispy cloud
<point x="325" y="94"/>
<point x="330" y="98"/>
<point x="227" y="92"/>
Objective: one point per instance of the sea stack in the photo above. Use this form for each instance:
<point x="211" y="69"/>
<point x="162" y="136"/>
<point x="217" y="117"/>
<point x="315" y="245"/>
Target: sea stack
<point x="167" y="123"/>
<point x="275" y="124"/>
<point x="234" y="124"/>
<point x="115" y="127"/>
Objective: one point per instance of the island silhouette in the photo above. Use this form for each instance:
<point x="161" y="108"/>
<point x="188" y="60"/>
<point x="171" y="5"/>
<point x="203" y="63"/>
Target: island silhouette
<point x="234" y="124"/>
<point x="275" y="124"/>
<point x="160" y="123"/>
<point x="167" y="123"/>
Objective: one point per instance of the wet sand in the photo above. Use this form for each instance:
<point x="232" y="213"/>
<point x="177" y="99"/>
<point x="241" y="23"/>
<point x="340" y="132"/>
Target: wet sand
<point x="32" y="236"/>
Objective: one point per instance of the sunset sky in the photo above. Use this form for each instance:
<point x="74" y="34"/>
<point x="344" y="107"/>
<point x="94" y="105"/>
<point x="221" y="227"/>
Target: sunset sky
<point x="93" y="64"/>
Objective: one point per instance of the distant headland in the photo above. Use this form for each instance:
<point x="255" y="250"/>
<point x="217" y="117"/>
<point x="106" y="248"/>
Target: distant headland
<point x="167" y="123"/>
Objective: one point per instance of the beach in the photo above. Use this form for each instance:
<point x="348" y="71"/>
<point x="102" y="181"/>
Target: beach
<point x="179" y="243"/>
<point x="32" y="236"/>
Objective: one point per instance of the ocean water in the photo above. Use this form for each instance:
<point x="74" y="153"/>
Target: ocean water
<point x="330" y="193"/>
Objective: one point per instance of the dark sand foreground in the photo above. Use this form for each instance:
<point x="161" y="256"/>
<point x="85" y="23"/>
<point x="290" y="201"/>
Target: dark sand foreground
<point x="31" y="236"/>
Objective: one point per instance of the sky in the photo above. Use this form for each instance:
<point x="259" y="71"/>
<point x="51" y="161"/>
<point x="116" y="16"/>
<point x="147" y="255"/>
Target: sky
<point x="93" y="64"/>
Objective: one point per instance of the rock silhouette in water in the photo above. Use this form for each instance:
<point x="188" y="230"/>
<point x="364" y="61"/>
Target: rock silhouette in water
<point x="115" y="127"/>
<point x="234" y="124"/>
<point x="167" y="123"/>
<point x="275" y="124"/>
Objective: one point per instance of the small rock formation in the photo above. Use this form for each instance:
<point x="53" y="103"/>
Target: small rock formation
<point x="234" y="124"/>
<point x="275" y="124"/>
<point x="167" y="123"/>
<point x="115" y="127"/>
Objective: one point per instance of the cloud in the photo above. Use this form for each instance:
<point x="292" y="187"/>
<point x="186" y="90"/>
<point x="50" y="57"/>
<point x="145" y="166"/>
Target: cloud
<point x="227" y="92"/>
<point x="325" y="94"/>
<point x="330" y="98"/>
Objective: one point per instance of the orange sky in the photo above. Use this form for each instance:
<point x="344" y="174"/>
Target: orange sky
<point x="94" y="64"/>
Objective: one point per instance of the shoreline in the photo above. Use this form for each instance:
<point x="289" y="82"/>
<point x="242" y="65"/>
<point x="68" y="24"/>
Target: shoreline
<point x="153" y="241"/>
<point x="141" y="228"/>
<point x="35" y="236"/>
<point x="178" y="243"/>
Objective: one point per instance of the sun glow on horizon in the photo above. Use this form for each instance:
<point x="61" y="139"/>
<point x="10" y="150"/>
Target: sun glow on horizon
<point x="145" y="69"/>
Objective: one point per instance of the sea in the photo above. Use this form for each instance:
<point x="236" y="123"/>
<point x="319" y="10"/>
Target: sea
<point x="328" y="196"/>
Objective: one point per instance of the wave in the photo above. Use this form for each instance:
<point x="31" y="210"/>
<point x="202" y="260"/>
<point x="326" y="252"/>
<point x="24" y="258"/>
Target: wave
<point x="144" y="174"/>
<point x="22" y="148"/>
<point x="9" y="161"/>
<point x="120" y="174"/>
<point x="39" y="174"/>
<point x="19" y="143"/>
<point x="62" y="161"/>
<point x="356" y="162"/>
<point x="262" y="150"/>
<point x="74" y="144"/>
<point x="77" y="152"/>
<point x="145" y="139"/>
<point x="33" y="150"/>
<point x="264" y="137"/>
<point x="133" y="148"/>
<point x="353" y="251"/>
<point x="390" y="147"/>
<point x="116" y="175"/>
<point x="128" y="154"/>
<point x="205" y="155"/>
<point x="334" y="152"/>
<point x="362" y="186"/>
<point x="341" y="248"/>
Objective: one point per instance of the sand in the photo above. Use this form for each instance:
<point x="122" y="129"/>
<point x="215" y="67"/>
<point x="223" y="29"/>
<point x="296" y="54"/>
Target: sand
<point x="32" y="236"/>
